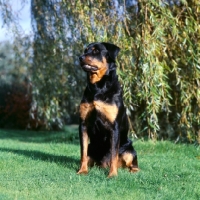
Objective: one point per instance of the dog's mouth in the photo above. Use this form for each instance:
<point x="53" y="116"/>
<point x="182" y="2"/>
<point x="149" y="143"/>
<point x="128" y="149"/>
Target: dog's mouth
<point x="89" y="68"/>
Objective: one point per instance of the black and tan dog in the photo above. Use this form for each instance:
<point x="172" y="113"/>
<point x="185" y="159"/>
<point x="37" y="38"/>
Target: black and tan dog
<point x="103" y="125"/>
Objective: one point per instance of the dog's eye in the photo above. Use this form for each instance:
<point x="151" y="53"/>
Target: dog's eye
<point x="95" y="51"/>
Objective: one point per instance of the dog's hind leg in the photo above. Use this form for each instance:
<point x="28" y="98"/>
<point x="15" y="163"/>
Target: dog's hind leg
<point x="129" y="160"/>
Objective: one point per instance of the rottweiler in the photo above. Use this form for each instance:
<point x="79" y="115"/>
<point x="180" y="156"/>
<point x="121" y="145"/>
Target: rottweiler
<point x="103" y="127"/>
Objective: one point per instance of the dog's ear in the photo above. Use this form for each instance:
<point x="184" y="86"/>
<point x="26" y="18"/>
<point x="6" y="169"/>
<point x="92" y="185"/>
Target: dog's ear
<point x="113" y="50"/>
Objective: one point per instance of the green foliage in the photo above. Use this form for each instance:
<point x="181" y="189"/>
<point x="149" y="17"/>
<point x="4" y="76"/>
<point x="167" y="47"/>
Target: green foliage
<point x="56" y="72"/>
<point x="15" y="60"/>
<point x="158" y="63"/>
<point x="6" y="62"/>
<point x="42" y="166"/>
<point x="15" y="86"/>
<point x="159" y="60"/>
<point x="167" y="68"/>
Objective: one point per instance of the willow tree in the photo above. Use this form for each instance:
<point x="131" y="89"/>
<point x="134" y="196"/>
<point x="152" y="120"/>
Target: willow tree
<point x="61" y="30"/>
<point x="166" y="48"/>
<point x="158" y="63"/>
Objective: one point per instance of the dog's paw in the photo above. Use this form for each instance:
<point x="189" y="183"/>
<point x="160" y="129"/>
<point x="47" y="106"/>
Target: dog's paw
<point x="112" y="174"/>
<point x="82" y="171"/>
<point x="134" y="169"/>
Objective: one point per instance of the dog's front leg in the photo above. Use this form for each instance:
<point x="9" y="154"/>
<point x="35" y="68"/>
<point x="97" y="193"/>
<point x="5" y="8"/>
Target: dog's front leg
<point x="114" y="152"/>
<point x="84" y="148"/>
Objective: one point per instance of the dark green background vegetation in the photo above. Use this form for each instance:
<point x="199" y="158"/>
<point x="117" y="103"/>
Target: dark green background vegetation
<point x="158" y="65"/>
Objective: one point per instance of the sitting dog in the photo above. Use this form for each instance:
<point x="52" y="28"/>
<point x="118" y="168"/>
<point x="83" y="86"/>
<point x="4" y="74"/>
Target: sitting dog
<point x="103" y="124"/>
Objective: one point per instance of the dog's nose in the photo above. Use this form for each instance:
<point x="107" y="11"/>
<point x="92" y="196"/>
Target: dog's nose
<point x="81" y="58"/>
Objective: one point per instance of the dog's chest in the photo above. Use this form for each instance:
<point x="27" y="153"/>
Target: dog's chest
<point x="103" y="109"/>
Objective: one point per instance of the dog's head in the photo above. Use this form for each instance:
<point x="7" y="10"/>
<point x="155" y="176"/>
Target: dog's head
<point x="98" y="59"/>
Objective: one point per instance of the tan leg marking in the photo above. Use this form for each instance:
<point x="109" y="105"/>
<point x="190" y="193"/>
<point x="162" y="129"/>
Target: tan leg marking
<point x="84" y="158"/>
<point x="113" y="167"/>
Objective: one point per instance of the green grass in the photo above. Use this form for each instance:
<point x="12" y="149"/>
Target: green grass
<point x="43" y="165"/>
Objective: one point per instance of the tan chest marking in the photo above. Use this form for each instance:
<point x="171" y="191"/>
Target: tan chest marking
<point x="108" y="110"/>
<point x="85" y="109"/>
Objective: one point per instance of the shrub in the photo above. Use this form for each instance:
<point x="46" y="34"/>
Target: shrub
<point x="16" y="107"/>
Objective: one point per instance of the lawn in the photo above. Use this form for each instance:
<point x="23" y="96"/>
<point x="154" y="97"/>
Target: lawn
<point x="43" y="165"/>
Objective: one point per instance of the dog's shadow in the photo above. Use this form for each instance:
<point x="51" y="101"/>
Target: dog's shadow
<point x="66" y="161"/>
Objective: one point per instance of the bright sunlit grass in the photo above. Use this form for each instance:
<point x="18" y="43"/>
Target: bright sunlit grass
<point x="43" y="165"/>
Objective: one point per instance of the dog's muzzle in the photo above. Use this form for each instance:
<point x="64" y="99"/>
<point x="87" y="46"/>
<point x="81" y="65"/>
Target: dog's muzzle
<point x="89" y="68"/>
<point x="86" y="67"/>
